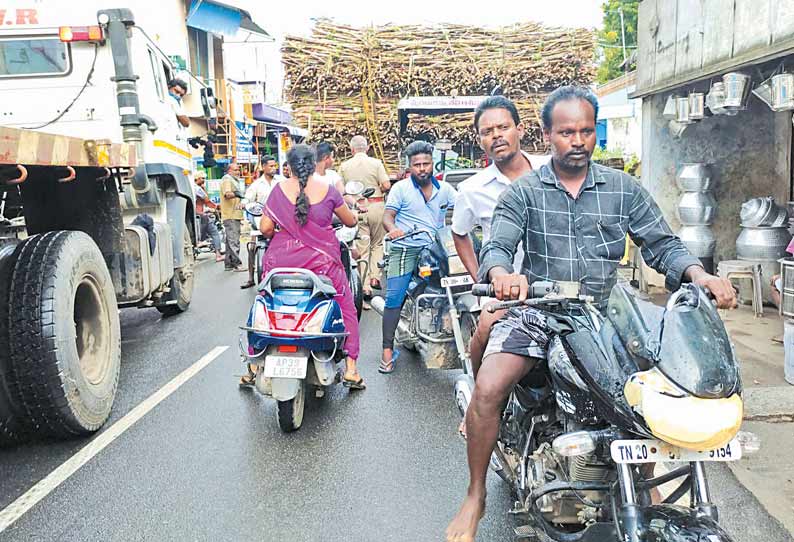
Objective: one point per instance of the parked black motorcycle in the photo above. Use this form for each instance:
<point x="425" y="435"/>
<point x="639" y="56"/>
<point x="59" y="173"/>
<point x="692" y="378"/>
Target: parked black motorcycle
<point x="643" y="385"/>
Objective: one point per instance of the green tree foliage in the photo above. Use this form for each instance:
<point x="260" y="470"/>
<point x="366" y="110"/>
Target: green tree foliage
<point x="610" y="38"/>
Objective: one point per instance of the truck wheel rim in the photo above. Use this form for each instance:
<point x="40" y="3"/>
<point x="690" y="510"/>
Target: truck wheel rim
<point x="92" y="330"/>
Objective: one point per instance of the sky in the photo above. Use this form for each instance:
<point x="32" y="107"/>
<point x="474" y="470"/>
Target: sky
<point x="294" y="18"/>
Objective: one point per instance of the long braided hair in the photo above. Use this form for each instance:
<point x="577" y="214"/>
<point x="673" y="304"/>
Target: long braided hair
<point x="301" y="162"/>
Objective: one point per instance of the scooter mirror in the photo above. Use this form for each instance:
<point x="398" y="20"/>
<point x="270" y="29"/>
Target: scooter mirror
<point x="354" y="188"/>
<point x="254" y="208"/>
<point x="368" y="192"/>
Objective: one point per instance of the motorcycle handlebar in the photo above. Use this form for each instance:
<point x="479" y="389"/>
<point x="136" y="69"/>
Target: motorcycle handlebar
<point x="411" y="234"/>
<point x="482" y="290"/>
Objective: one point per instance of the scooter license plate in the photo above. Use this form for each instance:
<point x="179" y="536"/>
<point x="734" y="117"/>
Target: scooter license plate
<point x="284" y="366"/>
<point x="654" y="451"/>
<point x="460" y="280"/>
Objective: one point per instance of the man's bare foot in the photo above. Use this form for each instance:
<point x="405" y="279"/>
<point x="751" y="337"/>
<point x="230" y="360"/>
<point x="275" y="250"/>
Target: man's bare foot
<point x="463" y="527"/>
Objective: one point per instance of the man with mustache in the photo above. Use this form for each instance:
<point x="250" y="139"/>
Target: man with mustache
<point x="420" y="202"/>
<point x="499" y="132"/>
<point x="572" y="217"/>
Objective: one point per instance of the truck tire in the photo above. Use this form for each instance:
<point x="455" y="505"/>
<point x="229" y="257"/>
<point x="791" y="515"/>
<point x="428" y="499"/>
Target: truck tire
<point x="64" y="333"/>
<point x="182" y="282"/>
<point x="14" y="424"/>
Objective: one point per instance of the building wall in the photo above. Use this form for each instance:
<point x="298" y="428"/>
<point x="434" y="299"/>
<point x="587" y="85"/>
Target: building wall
<point x="680" y="40"/>
<point x="749" y="154"/>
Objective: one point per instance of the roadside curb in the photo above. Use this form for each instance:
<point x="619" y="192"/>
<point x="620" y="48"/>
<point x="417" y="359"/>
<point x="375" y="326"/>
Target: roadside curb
<point x="773" y="404"/>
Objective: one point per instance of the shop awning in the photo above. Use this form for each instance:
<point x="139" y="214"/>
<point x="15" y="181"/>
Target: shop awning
<point x="218" y="18"/>
<point x="262" y="128"/>
<point x="269" y="113"/>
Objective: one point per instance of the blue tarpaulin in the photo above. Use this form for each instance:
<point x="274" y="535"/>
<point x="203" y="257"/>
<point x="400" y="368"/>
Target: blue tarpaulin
<point x="214" y="18"/>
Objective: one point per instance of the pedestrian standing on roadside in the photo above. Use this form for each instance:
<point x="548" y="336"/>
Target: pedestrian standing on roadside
<point x="232" y="214"/>
<point x="205" y="208"/>
<point x="372" y="173"/>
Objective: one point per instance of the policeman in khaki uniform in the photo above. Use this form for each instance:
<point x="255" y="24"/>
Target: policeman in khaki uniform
<point x="372" y="173"/>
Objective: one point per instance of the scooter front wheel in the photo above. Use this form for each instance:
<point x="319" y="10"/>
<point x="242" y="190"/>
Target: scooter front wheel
<point x="290" y="412"/>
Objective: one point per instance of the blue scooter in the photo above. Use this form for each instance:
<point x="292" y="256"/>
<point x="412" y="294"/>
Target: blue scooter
<point x="296" y="338"/>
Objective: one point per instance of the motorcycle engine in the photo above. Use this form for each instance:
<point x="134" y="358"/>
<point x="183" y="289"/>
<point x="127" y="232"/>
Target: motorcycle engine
<point x="567" y="507"/>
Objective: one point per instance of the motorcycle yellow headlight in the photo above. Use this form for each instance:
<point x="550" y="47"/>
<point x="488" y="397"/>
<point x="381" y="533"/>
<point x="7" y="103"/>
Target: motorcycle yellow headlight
<point x="682" y="419"/>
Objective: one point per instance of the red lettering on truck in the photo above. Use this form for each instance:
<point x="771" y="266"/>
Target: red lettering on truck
<point x="27" y="16"/>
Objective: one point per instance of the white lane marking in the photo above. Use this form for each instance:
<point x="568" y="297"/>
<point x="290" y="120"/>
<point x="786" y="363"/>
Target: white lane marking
<point x="31" y="497"/>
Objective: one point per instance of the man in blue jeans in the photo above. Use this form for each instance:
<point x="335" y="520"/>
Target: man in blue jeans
<point x="419" y="202"/>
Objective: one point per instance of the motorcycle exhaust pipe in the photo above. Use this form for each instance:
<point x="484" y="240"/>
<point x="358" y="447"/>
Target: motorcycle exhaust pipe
<point x="378" y="304"/>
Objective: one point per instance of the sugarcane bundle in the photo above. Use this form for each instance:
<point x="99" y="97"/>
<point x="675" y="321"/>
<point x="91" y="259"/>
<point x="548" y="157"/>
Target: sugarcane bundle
<point x="343" y="81"/>
<point x="438" y="60"/>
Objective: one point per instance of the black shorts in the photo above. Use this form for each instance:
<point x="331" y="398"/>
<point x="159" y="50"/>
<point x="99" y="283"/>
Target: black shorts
<point x="521" y="331"/>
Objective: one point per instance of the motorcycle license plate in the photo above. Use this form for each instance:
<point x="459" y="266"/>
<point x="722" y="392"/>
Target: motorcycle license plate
<point x="654" y="451"/>
<point x="284" y="366"/>
<point x="460" y="280"/>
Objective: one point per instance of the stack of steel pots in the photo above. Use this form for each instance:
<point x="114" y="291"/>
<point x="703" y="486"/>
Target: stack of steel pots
<point x="696" y="211"/>
<point x="764" y="236"/>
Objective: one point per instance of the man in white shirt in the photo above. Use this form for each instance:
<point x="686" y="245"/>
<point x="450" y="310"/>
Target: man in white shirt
<point x="258" y="192"/>
<point x="260" y="189"/>
<point x="325" y="161"/>
<point x="499" y="131"/>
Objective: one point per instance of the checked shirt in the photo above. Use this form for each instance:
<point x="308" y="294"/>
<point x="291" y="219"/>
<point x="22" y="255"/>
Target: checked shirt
<point x="582" y="239"/>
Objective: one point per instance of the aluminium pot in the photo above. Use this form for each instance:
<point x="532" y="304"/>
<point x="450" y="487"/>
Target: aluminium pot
<point x="699" y="240"/>
<point x="694" y="177"/>
<point x="762" y="243"/>
<point x="697" y="209"/>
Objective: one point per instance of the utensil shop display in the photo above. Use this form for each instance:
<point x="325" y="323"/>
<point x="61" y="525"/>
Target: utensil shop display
<point x="763" y="238"/>
<point x="343" y="81"/>
<point x="697" y="209"/>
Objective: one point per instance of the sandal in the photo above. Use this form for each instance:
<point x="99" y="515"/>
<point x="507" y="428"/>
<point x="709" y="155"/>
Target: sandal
<point x="247" y="380"/>
<point x="387" y="367"/>
<point x="249" y="284"/>
<point x="354" y="384"/>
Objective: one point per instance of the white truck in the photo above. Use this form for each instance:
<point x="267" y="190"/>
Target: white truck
<point x="96" y="210"/>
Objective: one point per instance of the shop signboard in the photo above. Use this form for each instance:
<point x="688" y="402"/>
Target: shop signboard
<point x="245" y="143"/>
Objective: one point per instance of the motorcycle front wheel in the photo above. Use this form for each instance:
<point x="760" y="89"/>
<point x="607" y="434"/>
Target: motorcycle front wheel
<point x="290" y="413"/>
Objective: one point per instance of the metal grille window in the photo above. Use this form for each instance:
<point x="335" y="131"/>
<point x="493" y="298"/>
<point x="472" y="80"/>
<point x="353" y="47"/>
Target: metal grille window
<point x="26" y="57"/>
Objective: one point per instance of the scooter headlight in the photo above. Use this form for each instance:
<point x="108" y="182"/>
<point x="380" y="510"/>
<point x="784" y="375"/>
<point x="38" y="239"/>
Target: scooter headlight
<point x="315" y="323"/>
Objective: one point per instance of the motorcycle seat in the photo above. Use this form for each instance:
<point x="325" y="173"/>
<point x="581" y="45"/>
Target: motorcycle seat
<point x="291" y="282"/>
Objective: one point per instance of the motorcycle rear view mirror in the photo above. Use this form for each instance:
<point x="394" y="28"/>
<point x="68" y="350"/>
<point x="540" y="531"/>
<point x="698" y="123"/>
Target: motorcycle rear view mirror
<point x="254" y="208"/>
<point x="368" y="192"/>
<point x="354" y="188"/>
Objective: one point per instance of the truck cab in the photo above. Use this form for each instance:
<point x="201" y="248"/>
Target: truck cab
<point x="96" y="205"/>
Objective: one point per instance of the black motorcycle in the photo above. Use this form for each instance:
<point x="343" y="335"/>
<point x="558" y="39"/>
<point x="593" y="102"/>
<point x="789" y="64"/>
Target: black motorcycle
<point x="618" y="393"/>
<point x="439" y="314"/>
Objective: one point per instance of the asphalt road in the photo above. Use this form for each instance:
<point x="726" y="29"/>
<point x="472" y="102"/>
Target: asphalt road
<point x="210" y="463"/>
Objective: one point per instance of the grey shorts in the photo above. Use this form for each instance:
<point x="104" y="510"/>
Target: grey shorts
<point x="521" y="331"/>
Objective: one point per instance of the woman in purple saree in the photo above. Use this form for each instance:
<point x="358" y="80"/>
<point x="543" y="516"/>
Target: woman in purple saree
<point x="303" y="209"/>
